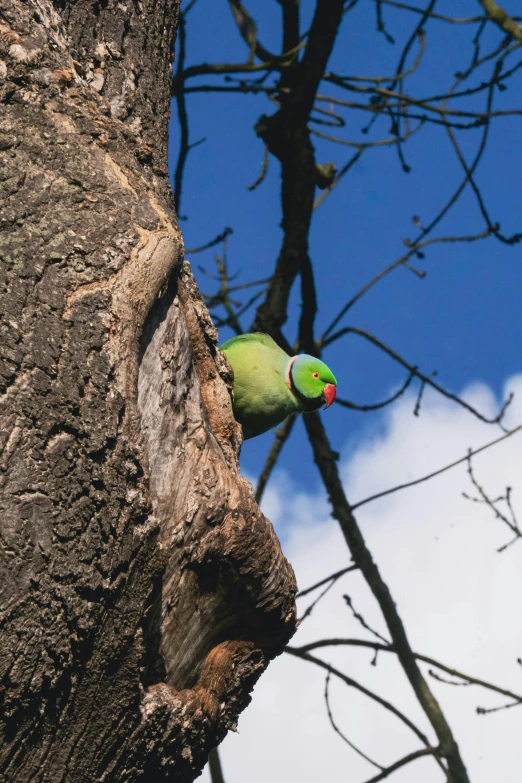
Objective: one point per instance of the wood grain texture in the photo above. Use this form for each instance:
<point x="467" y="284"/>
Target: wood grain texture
<point x="142" y="592"/>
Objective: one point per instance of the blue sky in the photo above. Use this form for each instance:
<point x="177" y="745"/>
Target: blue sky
<point x="463" y="319"/>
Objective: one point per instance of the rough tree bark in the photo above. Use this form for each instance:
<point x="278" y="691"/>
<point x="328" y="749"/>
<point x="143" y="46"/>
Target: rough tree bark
<point x="142" y="592"/>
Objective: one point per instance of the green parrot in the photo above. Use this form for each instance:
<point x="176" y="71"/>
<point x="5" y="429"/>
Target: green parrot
<point x="269" y="385"/>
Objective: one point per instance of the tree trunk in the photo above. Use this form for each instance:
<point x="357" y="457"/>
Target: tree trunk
<point x="142" y="592"/>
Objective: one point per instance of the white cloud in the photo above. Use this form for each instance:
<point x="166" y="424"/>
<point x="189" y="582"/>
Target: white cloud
<point x="459" y="599"/>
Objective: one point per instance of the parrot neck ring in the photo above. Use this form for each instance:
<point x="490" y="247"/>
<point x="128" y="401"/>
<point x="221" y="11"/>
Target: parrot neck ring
<point x="326" y="398"/>
<point x="289" y="379"/>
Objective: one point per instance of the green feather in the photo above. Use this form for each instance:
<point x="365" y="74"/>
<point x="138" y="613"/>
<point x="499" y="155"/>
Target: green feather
<point x="262" y="394"/>
<point x="303" y="372"/>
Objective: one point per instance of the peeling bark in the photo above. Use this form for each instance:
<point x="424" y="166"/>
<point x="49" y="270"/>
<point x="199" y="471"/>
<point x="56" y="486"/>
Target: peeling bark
<point x="142" y="592"/>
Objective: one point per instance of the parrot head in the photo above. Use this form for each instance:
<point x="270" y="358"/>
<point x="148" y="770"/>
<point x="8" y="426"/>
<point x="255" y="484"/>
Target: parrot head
<point x="312" y="381"/>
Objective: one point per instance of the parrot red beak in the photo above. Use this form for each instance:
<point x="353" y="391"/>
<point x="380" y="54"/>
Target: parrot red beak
<point x="329" y="393"/>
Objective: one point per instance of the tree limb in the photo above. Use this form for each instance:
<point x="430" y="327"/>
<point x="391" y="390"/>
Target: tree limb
<point x="326" y="463"/>
<point x="502" y="19"/>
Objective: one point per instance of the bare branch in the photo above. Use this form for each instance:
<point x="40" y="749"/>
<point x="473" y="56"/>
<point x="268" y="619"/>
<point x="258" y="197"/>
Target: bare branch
<point x="437" y="472"/>
<point x="214" y="764"/>
<point x="264" y="171"/>
<point x="414" y="248"/>
<point x="306" y="340"/>
<point x="493" y="505"/>
<point x="354" y="684"/>
<point x="341" y="510"/>
<point x="379" y="405"/>
<point x="339" y="176"/>
<point x="288" y="138"/>
<point x="402" y="762"/>
<point x="281" y="436"/>
<point x="381" y="79"/>
<point x="243" y="86"/>
<point x="439" y="678"/>
<point x="213" y="242"/>
<point x="417" y="33"/>
<point x="291" y="36"/>
<point x="190" y="5"/>
<point x="426" y="379"/>
<point x="248" y="30"/>
<point x="361" y="145"/>
<point x="338" y="730"/>
<point x="217" y="69"/>
<point x="488" y="711"/>
<point x="494" y="228"/>
<point x="502" y="19"/>
<point x="380" y="23"/>
<point x="377" y="646"/>
<point x="432" y="15"/>
<point x="402" y="102"/>
<point x="309" y="609"/>
<point x="332" y="577"/>
<point x="362" y="621"/>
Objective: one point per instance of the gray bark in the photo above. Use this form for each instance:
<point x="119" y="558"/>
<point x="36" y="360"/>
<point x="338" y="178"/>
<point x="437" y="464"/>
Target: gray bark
<point x="142" y="592"/>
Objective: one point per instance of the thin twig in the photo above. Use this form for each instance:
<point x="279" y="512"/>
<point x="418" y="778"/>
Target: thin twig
<point x="379" y="405"/>
<point x="426" y="379"/>
<point x="493" y="227"/>
<point x="281" y="436"/>
<point x="489" y="710"/>
<point x="354" y="684"/>
<point x="377" y="646"/>
<point x="512" y="523"/>
<point x="264" y="170"/>
<point x="309" y="609"/>
<point x="436" y="472"/>
<point x="362" y="621"/>
<point x="364" y="145"/>
<point x="404" y="101"/>
<point x="417" y="754"/>
<point x="213" y="242"/>
<point x="338" y="730"/>
<point x="441" y="17"/>
<point x="332" y="577"/>
<point x="381" y="28"/>
<point x="414" y="248"/>
<point x="339" y="176"/>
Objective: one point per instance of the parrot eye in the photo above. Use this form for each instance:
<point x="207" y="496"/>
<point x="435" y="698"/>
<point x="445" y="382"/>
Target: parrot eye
<point x="315" y="375"/>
